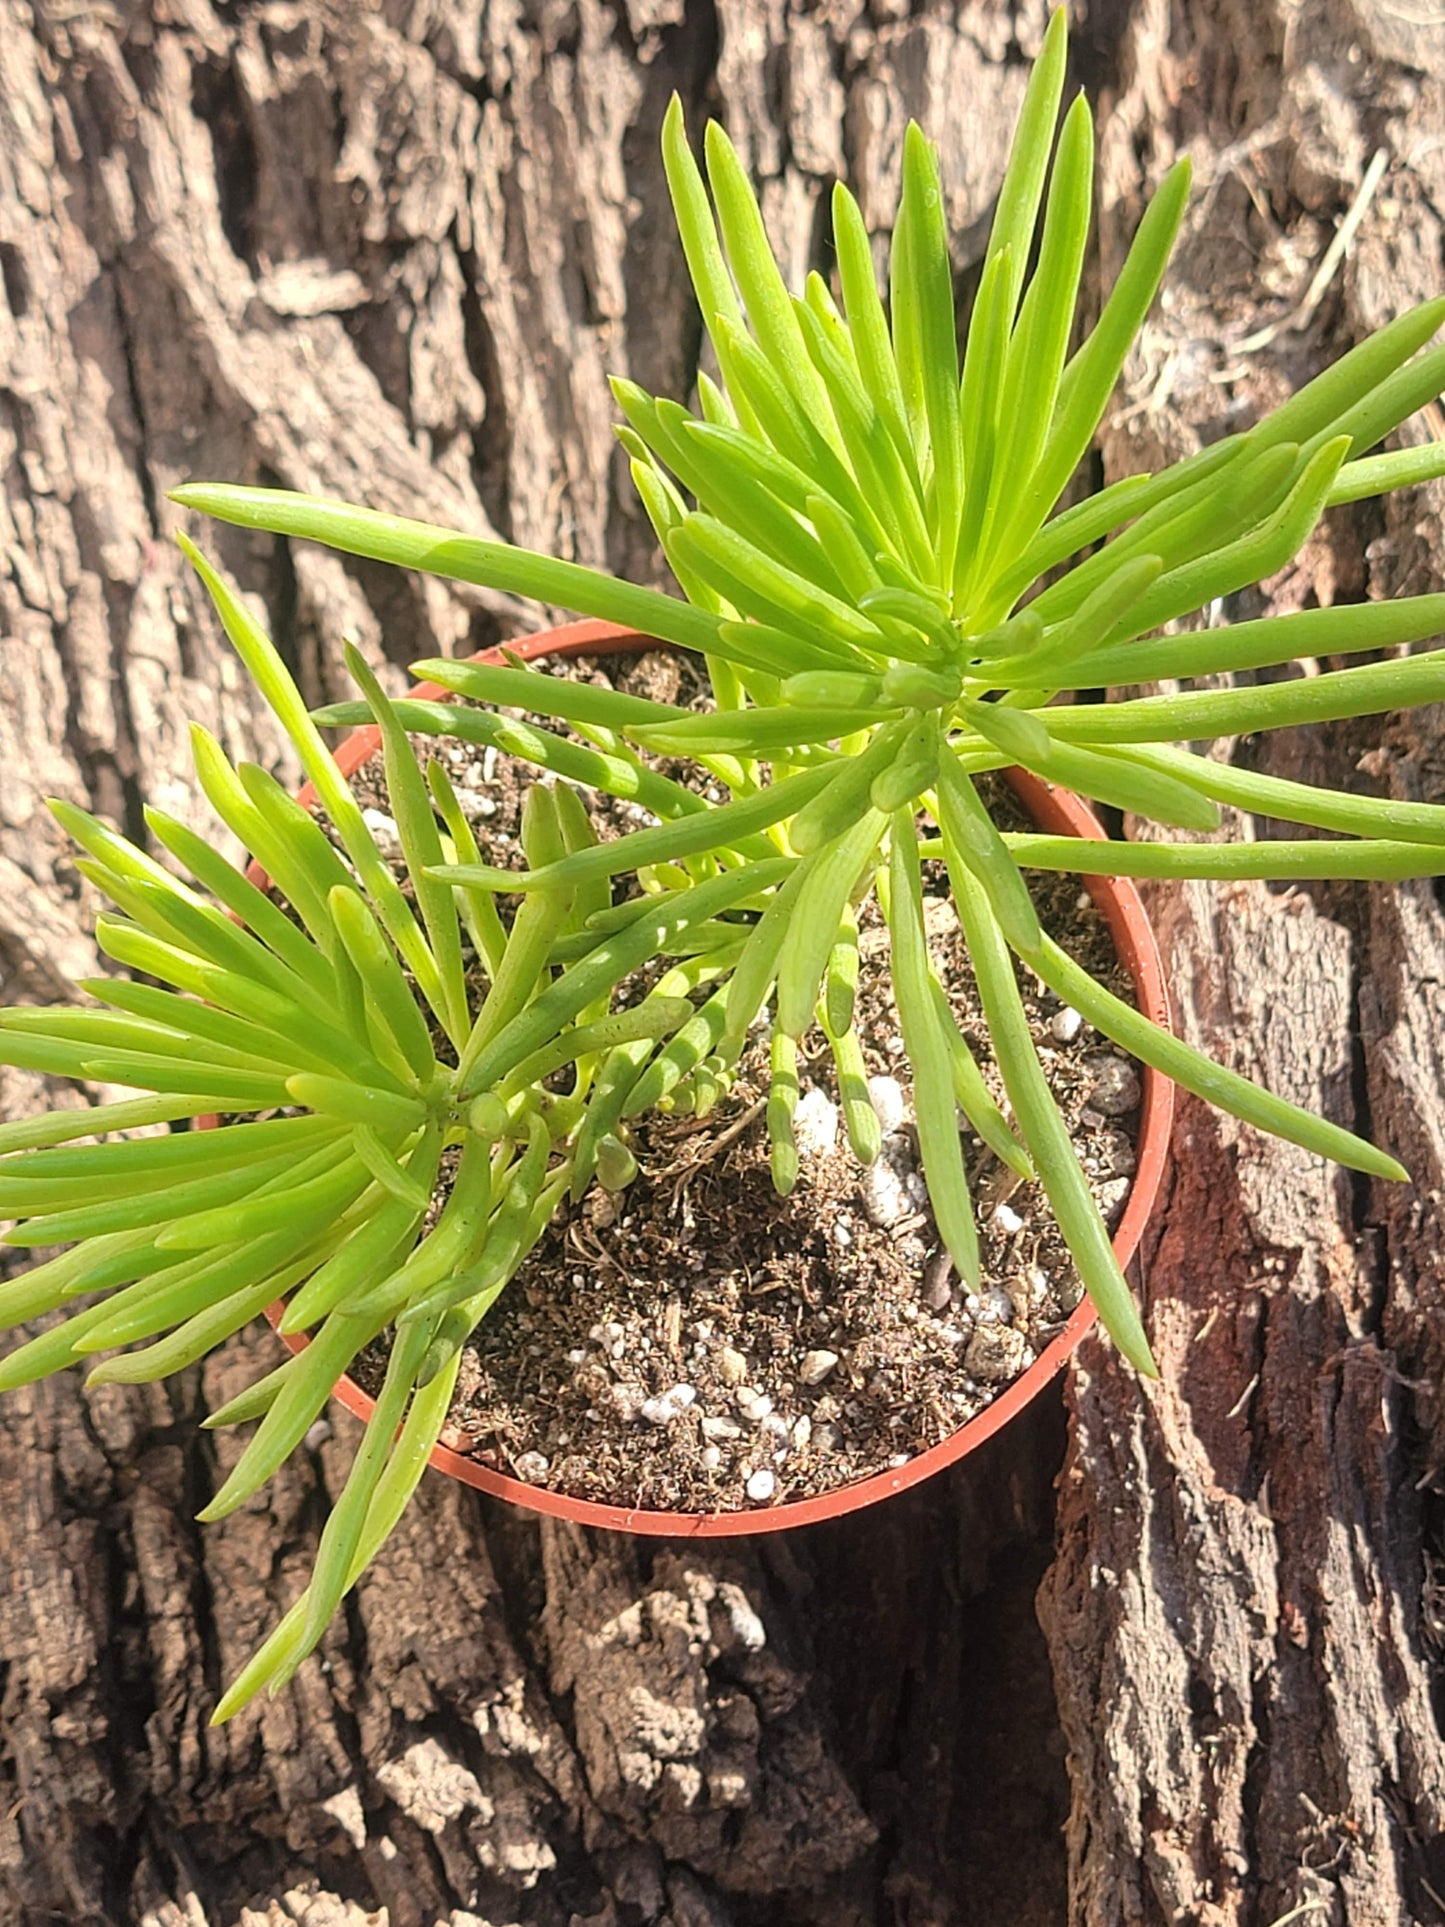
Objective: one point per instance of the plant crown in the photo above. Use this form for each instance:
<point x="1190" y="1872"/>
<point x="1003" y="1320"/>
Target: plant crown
<point x="890" y="602"/>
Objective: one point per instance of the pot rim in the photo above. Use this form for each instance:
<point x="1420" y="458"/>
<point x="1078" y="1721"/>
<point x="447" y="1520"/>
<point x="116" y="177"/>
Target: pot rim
<point x="1056" y="811"/>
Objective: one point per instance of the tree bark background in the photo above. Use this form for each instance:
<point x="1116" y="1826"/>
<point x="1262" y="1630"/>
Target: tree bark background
<point x="389" y="252"/>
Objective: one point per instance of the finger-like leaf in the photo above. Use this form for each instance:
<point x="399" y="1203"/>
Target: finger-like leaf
<point x="1323" y="406"/>
<point x="1249" y="558"/>
<point x="769" y="308"/>
<point x="1365" y="691"/>
<point x="297" y="1198"/>
<point x="1045" y="1132"/>
<point x="710" y="278"/>
<point x="201" y="1333"/>
<point x="249" y="905"/>
<point x="421" y="847"/>
<point x="912" y="771"/>
<point x="655" y="1017"/>
<point x="935" y="1111"/>
<point x="437" y="551"/>
<point x="721" y="828"/>
<point x="860" y="1119"/>
<point x="1211" y="1081"/>
<point x="372" y="1252"/>
<point x="1321" y="809"/>
<point x="983" y="371"/>
<point x="293" y="1411"/>
<point x="765" y="589"/>
<point x="1372" y="859"/>
<point x="389" y="997"/>
<point x="1108" y="776"/>
<point x="543" y="694"/>
<point x="683" y="1052"/>
<point x="754" y="732"/>
<point x="274" y="681"/>
<point x="1188" y="527"/>
<point x="342" y="1534"/>
<point x="613" y="959"/>
<point x="1017" y="210"/>
<point x="782" y="1103"/>
<point x="479" y="909"/>
<point x="1110" y="608"/>
<point x="839" y="805"/>
<point x="973" y="1096"/>
<point x="130" y="1114"/>
<point x="97" y="1265"/>
<point x="868" y="327"/>
<point x="814" y="926"/>
<point x="725" y="490"/>
<point x="871" y="450"/>
<point x="971" y="838"/>
<point x="1041" y="337"/>
<point x="1347" y="629"/>
<point x="419" y="1435"/>
<point x="1088" y="380"/>
<point x="790" y="430"/>
<point x="617" y="775"/>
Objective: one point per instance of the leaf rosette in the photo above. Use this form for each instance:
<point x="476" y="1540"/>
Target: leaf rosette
<point x="866" y="528"/>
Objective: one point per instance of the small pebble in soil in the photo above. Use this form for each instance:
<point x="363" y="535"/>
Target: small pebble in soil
<point x="384" y="832"/>
<point x="938" y="1281"/>
<point x="815" y="1124"/>
<point x="1065" y="1025"/>
<point x="627" y="1400"/>
<point x="732" y="1365"/>
<point x="992" y="1306"/>
<point x="711" y="1458"/>
<point x="1114" y="1156"/>
<point x="753" y="1404"/>
<point x="715" y="1426"/>
<point x="1114" y="1087"/>
<point x="1111" y="1198"/>
<point x="531" y="1467"/>
<point x="669" y="1405"/>
<point x="816" y="1366"/>
<point x="1007" y="1220"/>
<point x="884" y="1191"/>
<point x="762" y="1484"/>
<point x="889" y="1103"/>
<point x="995" y="1353"/>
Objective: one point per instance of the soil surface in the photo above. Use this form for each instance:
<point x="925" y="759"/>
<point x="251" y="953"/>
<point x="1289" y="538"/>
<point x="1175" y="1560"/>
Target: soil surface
<point x="699" y="1344"/>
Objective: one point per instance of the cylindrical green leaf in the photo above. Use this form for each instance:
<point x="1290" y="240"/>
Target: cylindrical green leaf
<point x="935" y="1110"/>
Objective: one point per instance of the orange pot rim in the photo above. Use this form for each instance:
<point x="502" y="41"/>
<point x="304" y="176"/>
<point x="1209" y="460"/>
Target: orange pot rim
<point x="1056" y="811"/>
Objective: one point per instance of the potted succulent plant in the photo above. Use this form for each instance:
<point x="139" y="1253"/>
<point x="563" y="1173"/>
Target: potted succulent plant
<point x="891" y="605"/>
<point x="1053" y="811"/>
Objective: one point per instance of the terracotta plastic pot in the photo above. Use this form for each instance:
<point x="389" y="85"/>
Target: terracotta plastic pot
<point x="1056" y="812"/>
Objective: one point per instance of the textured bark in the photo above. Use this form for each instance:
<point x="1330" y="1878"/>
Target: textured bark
<point x="389" y="252"/>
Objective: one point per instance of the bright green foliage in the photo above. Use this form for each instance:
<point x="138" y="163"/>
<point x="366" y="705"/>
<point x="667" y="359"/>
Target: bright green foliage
<point x="861" y="518"/>
<point x="355" y="1034"/>
<point x="871" y="514"/>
